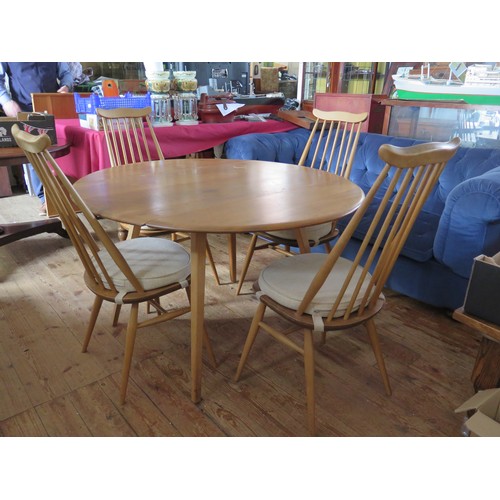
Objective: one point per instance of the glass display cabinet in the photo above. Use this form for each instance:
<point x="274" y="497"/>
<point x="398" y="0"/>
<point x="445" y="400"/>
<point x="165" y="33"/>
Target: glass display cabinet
<point x="477" y="125"/>
<point x="342" y="77"/>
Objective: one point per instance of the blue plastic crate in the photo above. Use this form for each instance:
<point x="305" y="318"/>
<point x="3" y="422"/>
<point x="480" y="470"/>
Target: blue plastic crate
<point x="88" y="105"/>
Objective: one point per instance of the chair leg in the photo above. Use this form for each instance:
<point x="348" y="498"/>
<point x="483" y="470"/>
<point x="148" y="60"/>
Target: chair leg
<point x="208" y="346"/>
<point x="246" y="264"/>
<point x="372" y="333"/>
<point x="154" y="305"/>
<point x="133" y="232"/>
<point x="252" y="333"/>
<point x="93" y="318"/>
<point x="212" y="264"/>
<point x="116" y="316"/>
<point x="231" y="250"/>
<point x="309" y="373"/>
<point x="129" y="350"/>
<point x="122" y="233"/>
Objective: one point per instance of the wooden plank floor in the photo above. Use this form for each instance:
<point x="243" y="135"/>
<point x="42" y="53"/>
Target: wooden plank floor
<point x="49" y="388"/>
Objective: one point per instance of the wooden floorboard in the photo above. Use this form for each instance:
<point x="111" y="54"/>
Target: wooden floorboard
<point x="49" y="388"/>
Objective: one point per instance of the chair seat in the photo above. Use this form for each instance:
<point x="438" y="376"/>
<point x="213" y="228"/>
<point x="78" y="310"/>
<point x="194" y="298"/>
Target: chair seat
<point x="287" y="280"/>
<point x="156" y="262"/>
<point x="311" y="233"/>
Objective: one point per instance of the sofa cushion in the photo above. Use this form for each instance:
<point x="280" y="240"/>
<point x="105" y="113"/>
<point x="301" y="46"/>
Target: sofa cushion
<point x="418" y="246"/>
<point x="283" y="147"/>
<point x="476" y="201"/>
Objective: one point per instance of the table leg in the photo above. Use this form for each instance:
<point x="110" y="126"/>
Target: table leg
<point x="302" y="242"/>
<point x="198" y="252"/>
<point x="231" y="244"/>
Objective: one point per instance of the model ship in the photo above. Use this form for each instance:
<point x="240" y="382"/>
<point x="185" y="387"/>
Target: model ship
<point x="476" y="84"/>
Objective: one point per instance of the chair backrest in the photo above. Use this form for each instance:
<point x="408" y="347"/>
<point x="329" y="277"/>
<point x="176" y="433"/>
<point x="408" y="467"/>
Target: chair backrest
<point x="403" y="185"/>
<point x="67" y="202"/>
<point x="126" y="137"/>
<point x="335" y="146"/>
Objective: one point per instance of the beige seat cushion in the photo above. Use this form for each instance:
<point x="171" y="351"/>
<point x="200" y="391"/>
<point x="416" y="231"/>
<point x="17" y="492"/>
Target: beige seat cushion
<point x="311" y="233"/>
<point x="286" y="281"/>
<point x="156" y="262"/>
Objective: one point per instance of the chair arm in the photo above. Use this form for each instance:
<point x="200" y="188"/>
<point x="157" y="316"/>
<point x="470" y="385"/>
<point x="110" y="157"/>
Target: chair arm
<point x="470" y="223"/>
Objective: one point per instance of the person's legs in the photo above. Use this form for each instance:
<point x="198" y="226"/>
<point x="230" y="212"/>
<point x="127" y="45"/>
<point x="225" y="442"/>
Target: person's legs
<point x="37" y="187"/>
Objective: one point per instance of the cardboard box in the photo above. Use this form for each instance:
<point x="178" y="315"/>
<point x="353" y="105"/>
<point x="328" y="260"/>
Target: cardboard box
<point x="90" y="120"/>
<point x="134" y="86"/>
<point x="482" y="298"/>
<point x="486" y="420"/>
<point x="33" y="123"/>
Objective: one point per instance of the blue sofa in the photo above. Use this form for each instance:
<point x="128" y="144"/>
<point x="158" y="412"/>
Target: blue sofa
<point x="460" y="220"/>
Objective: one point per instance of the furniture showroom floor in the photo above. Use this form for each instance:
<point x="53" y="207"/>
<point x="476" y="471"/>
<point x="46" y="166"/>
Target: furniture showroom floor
<point x="49" y="388"/>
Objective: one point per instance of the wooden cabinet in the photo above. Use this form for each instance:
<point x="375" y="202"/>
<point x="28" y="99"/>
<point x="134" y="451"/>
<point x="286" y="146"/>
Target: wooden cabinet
<point x="354" y="103"/>
<point x="59" y="104"/>
<point x="342" y="77"/>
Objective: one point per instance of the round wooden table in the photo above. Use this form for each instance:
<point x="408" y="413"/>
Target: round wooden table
<point x="200" y="196"/>
<point x="18" y="230"/>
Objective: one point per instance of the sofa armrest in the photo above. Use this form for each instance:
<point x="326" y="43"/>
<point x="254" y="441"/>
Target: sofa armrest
<point x="470" y="223"/>
<point x="283" y="147"/>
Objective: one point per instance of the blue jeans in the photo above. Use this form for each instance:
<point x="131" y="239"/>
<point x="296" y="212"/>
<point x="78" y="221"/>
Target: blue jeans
<point x="36" y="183"/>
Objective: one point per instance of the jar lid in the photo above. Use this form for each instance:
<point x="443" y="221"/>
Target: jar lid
<point x="185" y="74"/>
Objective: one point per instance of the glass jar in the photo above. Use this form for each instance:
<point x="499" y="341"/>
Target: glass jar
<point x="158" y="82"/>
<point x="161" y="110"/>
<point x="186" y="108"/>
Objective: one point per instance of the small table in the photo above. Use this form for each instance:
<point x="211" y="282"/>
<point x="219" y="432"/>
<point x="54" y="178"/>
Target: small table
<point x="15" y="156"/>
<point x="89" y="151"/>
<point x="200" y="196"/>
<point x="486" y="371"/>
<point x="18" y="230"/>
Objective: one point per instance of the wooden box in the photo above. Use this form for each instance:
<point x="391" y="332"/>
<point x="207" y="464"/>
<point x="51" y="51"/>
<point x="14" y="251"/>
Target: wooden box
<point x="59" y="104"/>
<point x="304" y="119"/>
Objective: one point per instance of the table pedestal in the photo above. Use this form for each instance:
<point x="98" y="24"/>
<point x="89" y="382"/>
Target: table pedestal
<point x="19" y="230"/>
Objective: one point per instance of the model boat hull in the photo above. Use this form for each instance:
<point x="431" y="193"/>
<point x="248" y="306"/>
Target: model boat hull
<point x="416" y="89"/>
